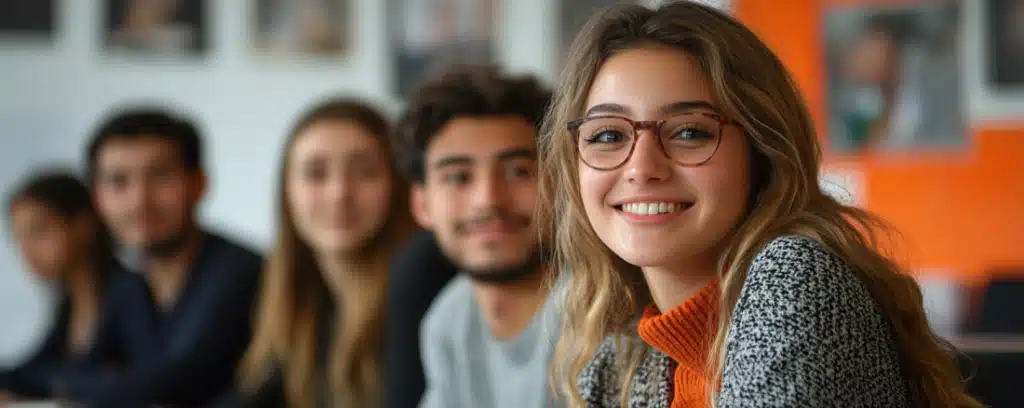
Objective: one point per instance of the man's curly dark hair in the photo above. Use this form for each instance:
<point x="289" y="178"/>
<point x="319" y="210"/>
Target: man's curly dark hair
<point x="459" y="92"/>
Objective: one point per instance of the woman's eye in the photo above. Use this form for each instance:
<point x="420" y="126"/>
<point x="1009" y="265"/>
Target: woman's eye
<point x="605" y="136"/>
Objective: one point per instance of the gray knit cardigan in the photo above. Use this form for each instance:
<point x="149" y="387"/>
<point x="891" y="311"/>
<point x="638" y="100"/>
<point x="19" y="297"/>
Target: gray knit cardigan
<point x="805" y="333"/>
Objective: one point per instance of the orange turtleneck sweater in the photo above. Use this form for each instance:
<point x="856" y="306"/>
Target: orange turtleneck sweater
<point x="685" y="334"/>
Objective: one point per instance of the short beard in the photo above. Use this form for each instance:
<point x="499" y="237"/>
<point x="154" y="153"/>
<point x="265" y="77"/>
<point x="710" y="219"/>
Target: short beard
<point x="169" y="246"/>
<point x="506" y="275"/>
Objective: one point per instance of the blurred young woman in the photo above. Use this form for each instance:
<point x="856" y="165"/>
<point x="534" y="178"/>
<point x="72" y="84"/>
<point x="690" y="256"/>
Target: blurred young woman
<point x="707" y="265"/>
<point x="64" y="244"/>
<point x="343" y="211"/>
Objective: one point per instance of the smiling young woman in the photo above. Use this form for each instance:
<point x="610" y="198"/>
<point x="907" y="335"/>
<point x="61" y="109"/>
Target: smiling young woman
<point x="707" y="265"/>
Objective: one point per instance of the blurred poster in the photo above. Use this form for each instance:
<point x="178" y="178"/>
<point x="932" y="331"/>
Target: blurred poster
<point x="1006" y="43"/>
<point x="27" y="19"/>
<point x="155" y="27"/>
<point x="894" y="77"/>
<point x="430" y="35"/>
<point x="302" y="27"/>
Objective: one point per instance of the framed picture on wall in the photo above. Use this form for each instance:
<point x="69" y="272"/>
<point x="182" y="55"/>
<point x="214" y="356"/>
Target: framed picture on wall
<point x="894" y="77"/>
<point x="1005" y="34"/>
<point x="27" y="19"/>
<point x="428" y="36"/>
<point x="155" y="27"/>
<point x="318" y="28"/>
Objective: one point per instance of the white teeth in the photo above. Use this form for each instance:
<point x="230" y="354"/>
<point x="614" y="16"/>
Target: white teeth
<point x="650" y="208"/>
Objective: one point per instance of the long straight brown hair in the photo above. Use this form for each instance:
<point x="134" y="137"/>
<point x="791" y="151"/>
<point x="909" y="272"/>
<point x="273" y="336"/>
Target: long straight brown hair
<point x="294" y="291"/>
<point x="606" y="296"/>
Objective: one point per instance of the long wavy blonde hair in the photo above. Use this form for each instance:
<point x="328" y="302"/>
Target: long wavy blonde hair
<point x="606" y="296"/>
<point x="294" y="292"/>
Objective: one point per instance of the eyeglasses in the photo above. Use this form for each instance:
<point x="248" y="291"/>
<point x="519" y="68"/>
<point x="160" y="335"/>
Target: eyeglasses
<point x="606" y="142"/>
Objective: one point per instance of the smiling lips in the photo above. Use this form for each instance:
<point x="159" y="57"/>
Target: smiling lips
<point x="652" y="212"/>
<point x="651" y="208"/>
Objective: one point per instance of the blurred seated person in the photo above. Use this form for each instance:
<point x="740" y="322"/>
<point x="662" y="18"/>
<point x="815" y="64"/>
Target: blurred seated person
<point x="177" y="328"/>
<point x="343" y="209"/>
<point x="66" y="246"/>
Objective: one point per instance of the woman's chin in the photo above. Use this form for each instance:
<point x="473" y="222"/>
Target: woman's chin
<point x="649" y="258"/>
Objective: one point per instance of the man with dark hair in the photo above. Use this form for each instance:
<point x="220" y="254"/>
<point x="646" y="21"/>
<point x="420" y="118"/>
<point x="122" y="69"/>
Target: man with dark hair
<point x="176" y="330"/>
<point x="131" y="125"/>
<point x="468" y="145"/>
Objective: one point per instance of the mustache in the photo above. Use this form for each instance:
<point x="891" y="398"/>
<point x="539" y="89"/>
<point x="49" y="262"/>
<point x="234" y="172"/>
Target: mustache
<point x="136" y="216"/>
<point x="513" y="220"/>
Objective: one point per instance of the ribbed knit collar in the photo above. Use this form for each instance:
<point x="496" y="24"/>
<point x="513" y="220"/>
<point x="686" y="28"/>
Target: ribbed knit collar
<point x="685" y="333"/>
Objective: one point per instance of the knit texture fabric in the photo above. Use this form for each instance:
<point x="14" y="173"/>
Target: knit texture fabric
<point x="805" y="333"/>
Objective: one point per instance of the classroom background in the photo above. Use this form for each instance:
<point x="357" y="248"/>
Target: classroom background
<point x="947" y="172"/>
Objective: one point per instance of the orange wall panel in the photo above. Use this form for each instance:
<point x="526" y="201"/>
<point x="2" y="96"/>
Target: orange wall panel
<point x="962" y="212"/>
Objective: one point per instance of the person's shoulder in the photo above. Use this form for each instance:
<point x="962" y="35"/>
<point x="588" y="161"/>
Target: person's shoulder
<point x="799" y="279"/>
<point x="234" y="254"/>
<point x="549" y="318"/>
<point x="455" y="299"/>
<point x="788" y="247"/>
<point x="602" y="362"/>
<point x="450" y="308"/>
<point x="804" y="317"/>
<point x="230" y="246"/>
<point x="797" y="260"/>
<point x="598" y="382"/>
<point x="236" y="268"/>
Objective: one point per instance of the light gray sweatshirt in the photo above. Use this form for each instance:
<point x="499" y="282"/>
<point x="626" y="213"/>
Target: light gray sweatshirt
<point x="466" y="367"/>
